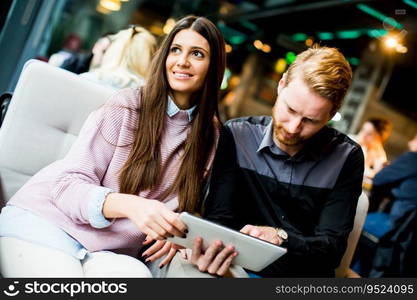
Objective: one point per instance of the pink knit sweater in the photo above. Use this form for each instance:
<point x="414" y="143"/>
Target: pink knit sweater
<point x="61" y="191"/>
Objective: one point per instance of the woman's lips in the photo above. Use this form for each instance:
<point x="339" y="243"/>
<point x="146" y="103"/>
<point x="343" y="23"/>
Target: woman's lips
<point x="182" y="75"/>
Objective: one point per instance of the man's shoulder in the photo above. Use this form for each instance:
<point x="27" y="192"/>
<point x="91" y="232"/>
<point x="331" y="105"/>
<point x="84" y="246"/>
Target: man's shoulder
<point x="342" y="142"/>
<point x="341" y="138"/>
<point x="247" y="124"/>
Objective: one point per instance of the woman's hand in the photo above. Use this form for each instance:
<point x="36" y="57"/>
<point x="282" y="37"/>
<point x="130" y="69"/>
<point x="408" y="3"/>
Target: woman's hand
<point x="159" y="249"/>
<point x="151" y="216"/>
<point x="157" y="221"/>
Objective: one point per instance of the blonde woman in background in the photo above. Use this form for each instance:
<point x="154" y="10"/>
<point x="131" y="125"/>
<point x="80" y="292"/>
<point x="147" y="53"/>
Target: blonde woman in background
<point x="126" y="62"/>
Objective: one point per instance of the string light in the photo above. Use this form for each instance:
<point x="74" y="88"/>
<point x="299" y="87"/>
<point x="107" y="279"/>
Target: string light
<point x="258" y="44"/>
<point x="266" y="48"/>
<point x="169" y="24"/>
<point x="113" y="5"/>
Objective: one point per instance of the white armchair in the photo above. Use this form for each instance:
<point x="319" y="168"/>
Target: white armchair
<point x="46" y="113"/>
<point x="361" y="211"/>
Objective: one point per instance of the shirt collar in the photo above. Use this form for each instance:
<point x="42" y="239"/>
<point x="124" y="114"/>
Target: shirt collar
<point x="173" y="109"/>
<point x="268" y="141"/>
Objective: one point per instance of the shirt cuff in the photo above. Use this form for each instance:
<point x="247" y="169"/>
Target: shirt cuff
<point x="95" y="208"/>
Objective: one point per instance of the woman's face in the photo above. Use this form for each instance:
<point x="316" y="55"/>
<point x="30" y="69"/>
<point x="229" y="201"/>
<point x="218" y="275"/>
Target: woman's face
<point x="187" y="64"/>
<point x="369" y="135"/>
<point x="98" y="51"/>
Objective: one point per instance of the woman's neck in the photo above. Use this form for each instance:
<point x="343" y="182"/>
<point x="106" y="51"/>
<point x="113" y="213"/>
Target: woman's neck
<point x="182" y="101"/>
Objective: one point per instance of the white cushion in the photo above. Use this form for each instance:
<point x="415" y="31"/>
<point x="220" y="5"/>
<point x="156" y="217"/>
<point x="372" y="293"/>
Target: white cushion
<point x="361" y="212"/>
<point x="46" y="113"/>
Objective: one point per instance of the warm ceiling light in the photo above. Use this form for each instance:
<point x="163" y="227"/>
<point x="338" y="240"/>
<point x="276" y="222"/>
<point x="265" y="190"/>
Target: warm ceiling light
<point x="224" y="10"/>
<point x="228" y="48"/>
<point x="258" y="44"/>
<point x="401" y="49"/>
<point x="309" y="42"/>
<point x="102" y="10"/>
<point x="266" y="48"/>
<point x="280" y="66"/>
<point x="391" y="42"/>
<point x="113" y="5"/>
<point x="169" y="24"/>
<point x="235" y="80"/>
<point x="156" y="29"/>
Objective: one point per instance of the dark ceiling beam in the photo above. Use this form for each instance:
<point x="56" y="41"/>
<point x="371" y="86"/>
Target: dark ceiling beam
<point x="270" y="12"/>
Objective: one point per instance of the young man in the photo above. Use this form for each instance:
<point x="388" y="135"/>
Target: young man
<point x="289" y="179"/>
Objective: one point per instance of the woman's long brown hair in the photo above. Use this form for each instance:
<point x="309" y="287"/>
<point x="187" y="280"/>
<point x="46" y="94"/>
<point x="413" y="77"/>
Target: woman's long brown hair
<point x="142" y="169"/>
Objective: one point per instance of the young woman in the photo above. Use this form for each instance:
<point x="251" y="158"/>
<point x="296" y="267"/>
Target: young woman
<point x="372" y="136"/>
<point x="140" y="159"/>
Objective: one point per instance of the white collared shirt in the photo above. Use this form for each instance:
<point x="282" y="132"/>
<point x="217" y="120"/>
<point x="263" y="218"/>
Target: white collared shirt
<point x="173" y="109"/>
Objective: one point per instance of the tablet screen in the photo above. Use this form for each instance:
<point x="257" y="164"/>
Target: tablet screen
<point x="254" y="254"/>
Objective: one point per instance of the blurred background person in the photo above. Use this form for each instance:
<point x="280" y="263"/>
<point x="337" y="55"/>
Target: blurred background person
<point x="71" y="47"/>
<point x="72" y="59"/>
<point x="372" y="136"/>
<point x="397" y="182"/>
<point x="84" y="61"/>
<point x="99" y="48"/>
<point x="126" y="61"/>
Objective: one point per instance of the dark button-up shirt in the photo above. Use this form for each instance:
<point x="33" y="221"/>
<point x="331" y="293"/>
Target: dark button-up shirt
<point x="312" y="195"/>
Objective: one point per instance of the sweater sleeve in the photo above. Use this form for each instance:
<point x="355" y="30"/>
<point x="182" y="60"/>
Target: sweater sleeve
<point x="78" y="190"/>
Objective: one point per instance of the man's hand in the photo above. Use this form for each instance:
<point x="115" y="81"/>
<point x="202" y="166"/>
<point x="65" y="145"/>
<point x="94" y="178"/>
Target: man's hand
<point x="216" y="260"/>
<point x="265" y="233"/>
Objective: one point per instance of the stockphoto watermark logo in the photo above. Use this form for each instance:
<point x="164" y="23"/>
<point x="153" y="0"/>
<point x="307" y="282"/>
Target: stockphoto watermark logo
<point x="12" y="289"/>
<point x="71" y="289"/>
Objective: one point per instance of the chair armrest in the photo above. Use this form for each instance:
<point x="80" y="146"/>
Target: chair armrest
<point x="5" y="99"/>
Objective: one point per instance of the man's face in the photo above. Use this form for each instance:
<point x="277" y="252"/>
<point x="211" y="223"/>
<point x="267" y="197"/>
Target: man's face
<point x="298" y="114"/>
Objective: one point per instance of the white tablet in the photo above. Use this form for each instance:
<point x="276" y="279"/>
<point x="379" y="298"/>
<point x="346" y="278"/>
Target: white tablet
<point x="254" y="254"/>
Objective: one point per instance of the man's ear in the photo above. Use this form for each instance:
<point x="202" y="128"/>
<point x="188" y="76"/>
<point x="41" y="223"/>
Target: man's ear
<point x="281" y="83"/>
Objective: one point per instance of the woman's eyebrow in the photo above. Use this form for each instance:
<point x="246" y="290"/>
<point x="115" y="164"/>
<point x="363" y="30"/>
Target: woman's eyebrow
<point x="192" y="47"/>
<point x="199" y="48"/>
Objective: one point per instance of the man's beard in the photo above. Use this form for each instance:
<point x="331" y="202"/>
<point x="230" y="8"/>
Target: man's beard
<point x="281" y="135"/>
